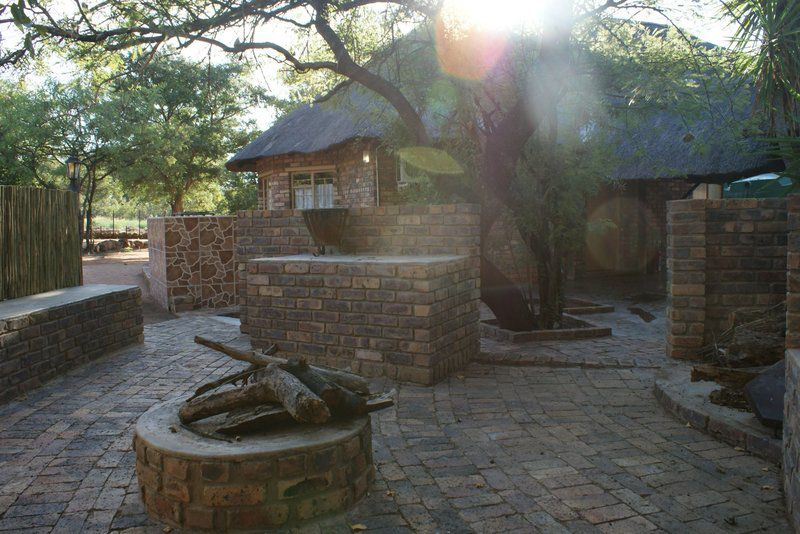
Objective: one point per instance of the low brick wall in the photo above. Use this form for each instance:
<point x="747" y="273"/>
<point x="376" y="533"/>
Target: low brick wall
<point x="284" y="479"/>
<point x="387" y="230"/>
<point x="410" y="318"/>
<point x="44" y="335"/>
<point x="192" y="262"/>
<point x="791" y="404"/>
<point x="723" y="255"/>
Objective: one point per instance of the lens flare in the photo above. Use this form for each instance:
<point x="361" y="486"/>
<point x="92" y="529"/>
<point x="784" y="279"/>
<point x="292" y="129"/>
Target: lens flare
<point x="472" y="35"/>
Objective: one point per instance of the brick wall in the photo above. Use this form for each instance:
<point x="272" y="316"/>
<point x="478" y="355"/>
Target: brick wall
<point x="410" y="318"/>
<point x="355" y="179"/>
<point x="38" y="345"/>
<point x="791" y="411"/>
<point x="388" y="230"/>
<point x="723" y="255"/>
<point x="192" y="262"/>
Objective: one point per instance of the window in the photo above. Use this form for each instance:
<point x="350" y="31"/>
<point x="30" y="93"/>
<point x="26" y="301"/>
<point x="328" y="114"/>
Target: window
<point x="312" y="190"/>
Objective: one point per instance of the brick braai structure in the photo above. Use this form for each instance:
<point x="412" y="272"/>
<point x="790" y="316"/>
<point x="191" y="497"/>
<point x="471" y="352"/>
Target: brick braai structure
<point x="192" y="262"/>
<point x="410" y="318"/>
<point x="282" y="479"/>
<point x="387" y="230"/>
<point x="723" y="255"/>
<point x="791" y="411"/>
<point x="44" y="335"/>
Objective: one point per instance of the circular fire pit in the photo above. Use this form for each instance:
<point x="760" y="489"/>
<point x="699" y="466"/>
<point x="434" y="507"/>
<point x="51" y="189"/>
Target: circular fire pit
<point x="279" y="478"/>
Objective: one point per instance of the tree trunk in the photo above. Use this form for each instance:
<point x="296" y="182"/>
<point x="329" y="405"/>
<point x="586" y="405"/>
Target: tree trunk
<point x="89" y="211"/>
<point x="505" y="299"/>
<point x="177" y="203"/>
<point x="550" y="280"/>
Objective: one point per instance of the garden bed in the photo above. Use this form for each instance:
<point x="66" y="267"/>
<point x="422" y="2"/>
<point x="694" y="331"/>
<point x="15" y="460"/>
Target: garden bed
<point x="585" y="307"/>
<point x="572" y="328"/>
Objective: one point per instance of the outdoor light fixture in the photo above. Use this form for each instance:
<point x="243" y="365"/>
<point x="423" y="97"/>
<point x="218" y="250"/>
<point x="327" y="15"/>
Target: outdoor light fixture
<point x="366" y="156"/>
<point x="73" y="171"/>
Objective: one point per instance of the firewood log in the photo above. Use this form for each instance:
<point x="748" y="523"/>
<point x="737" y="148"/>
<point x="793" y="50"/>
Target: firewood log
<point x="227" y="379"/>
<point x="262" y="418"/>
<point x="732" y="377"/>
<point x="303" y="405"/>
<point x="225" y="401"/>
<point x="353" y="382"/>
<point x="340" y="401"/>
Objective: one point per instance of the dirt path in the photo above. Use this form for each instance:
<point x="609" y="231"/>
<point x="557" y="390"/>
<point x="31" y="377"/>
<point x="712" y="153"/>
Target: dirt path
<point x="124" y="268"/>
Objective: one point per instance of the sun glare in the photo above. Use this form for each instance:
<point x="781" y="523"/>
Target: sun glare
<point x="471" y="35"/>
<point x="496" y="15"/>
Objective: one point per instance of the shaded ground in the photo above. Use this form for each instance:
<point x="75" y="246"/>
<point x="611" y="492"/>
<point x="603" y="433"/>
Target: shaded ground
<point x="124" y="268"/>
<point x="635" y="342"/>
<point x="492" y="449"/>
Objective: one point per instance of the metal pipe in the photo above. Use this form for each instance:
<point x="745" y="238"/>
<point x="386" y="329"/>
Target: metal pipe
<point x="377" y="181"/>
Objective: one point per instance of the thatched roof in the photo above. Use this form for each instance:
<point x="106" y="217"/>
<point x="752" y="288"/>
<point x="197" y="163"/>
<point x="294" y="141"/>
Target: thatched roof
<point x="315" y="127"/>
<point x="665" y="145"/>
<point x="658" y="144"/>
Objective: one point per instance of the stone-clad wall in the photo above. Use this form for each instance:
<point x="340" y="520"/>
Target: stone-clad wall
<point x="410" y="318"/>
<point x="791" y="406"/>
<point x="192" y="262"/>
<point x="389" y="230"/>
<point x="44" y="335"/>
<point x="723" y="255"/>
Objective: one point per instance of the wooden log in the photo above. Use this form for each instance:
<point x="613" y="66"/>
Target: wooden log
<point x="227" y="379"/>
<point x="254" y="419"/>
<point x="353" y="382"/>
<point x="225" y="401"/>
<point x="734" y="378"/>
<point x="303" y="405"/>
<point x="251" y="357"/>
<point x="262" y="418"/>
<point x="340" y="401"/>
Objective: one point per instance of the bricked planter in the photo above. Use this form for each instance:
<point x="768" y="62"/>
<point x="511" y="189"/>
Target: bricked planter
<point x="576" y="329"/>
<point x="586" y="307"/>
<point x="283" y="478"/>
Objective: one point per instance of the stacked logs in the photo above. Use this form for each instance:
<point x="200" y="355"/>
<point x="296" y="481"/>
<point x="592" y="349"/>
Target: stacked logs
<point x="274" y="390"/>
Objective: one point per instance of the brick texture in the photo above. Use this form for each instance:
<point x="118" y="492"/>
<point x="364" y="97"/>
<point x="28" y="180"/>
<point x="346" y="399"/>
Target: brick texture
<point x="192" y="262"/>
<point x="39" y="346"/>
<point x="254" y="491"/>
<point x="723" y="256"/>
<point x="387" y="230"/>
<point x="412" y="319"/>
<point x="791" y="411"/>
<point x="355" y="179"/>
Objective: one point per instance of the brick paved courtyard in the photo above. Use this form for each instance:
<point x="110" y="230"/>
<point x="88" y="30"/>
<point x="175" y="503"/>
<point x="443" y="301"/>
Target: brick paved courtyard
<point x="566" y="447"/>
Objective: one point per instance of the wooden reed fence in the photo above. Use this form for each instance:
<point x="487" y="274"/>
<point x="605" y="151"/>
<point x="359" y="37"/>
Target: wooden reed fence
<point x="39" y="241"/>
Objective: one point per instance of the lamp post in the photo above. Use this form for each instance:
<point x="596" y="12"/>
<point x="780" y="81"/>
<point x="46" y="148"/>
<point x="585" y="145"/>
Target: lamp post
<point x="73" y="172"/>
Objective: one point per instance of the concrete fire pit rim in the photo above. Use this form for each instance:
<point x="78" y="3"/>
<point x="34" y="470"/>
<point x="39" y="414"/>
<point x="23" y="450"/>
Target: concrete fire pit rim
<point x="153" y="428"/>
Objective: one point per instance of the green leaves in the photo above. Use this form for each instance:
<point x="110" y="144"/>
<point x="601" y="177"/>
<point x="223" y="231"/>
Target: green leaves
<point x="18" y="14"/>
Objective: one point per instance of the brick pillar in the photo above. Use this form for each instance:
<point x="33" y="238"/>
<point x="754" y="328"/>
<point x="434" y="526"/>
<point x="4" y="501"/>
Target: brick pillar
<point x="686" y="277"/>
<point x="793" y="274"/>
<point x="791" y="400"/>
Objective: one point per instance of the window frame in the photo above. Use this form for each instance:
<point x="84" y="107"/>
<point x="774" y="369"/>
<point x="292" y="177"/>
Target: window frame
<point x="314" y="182"/>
